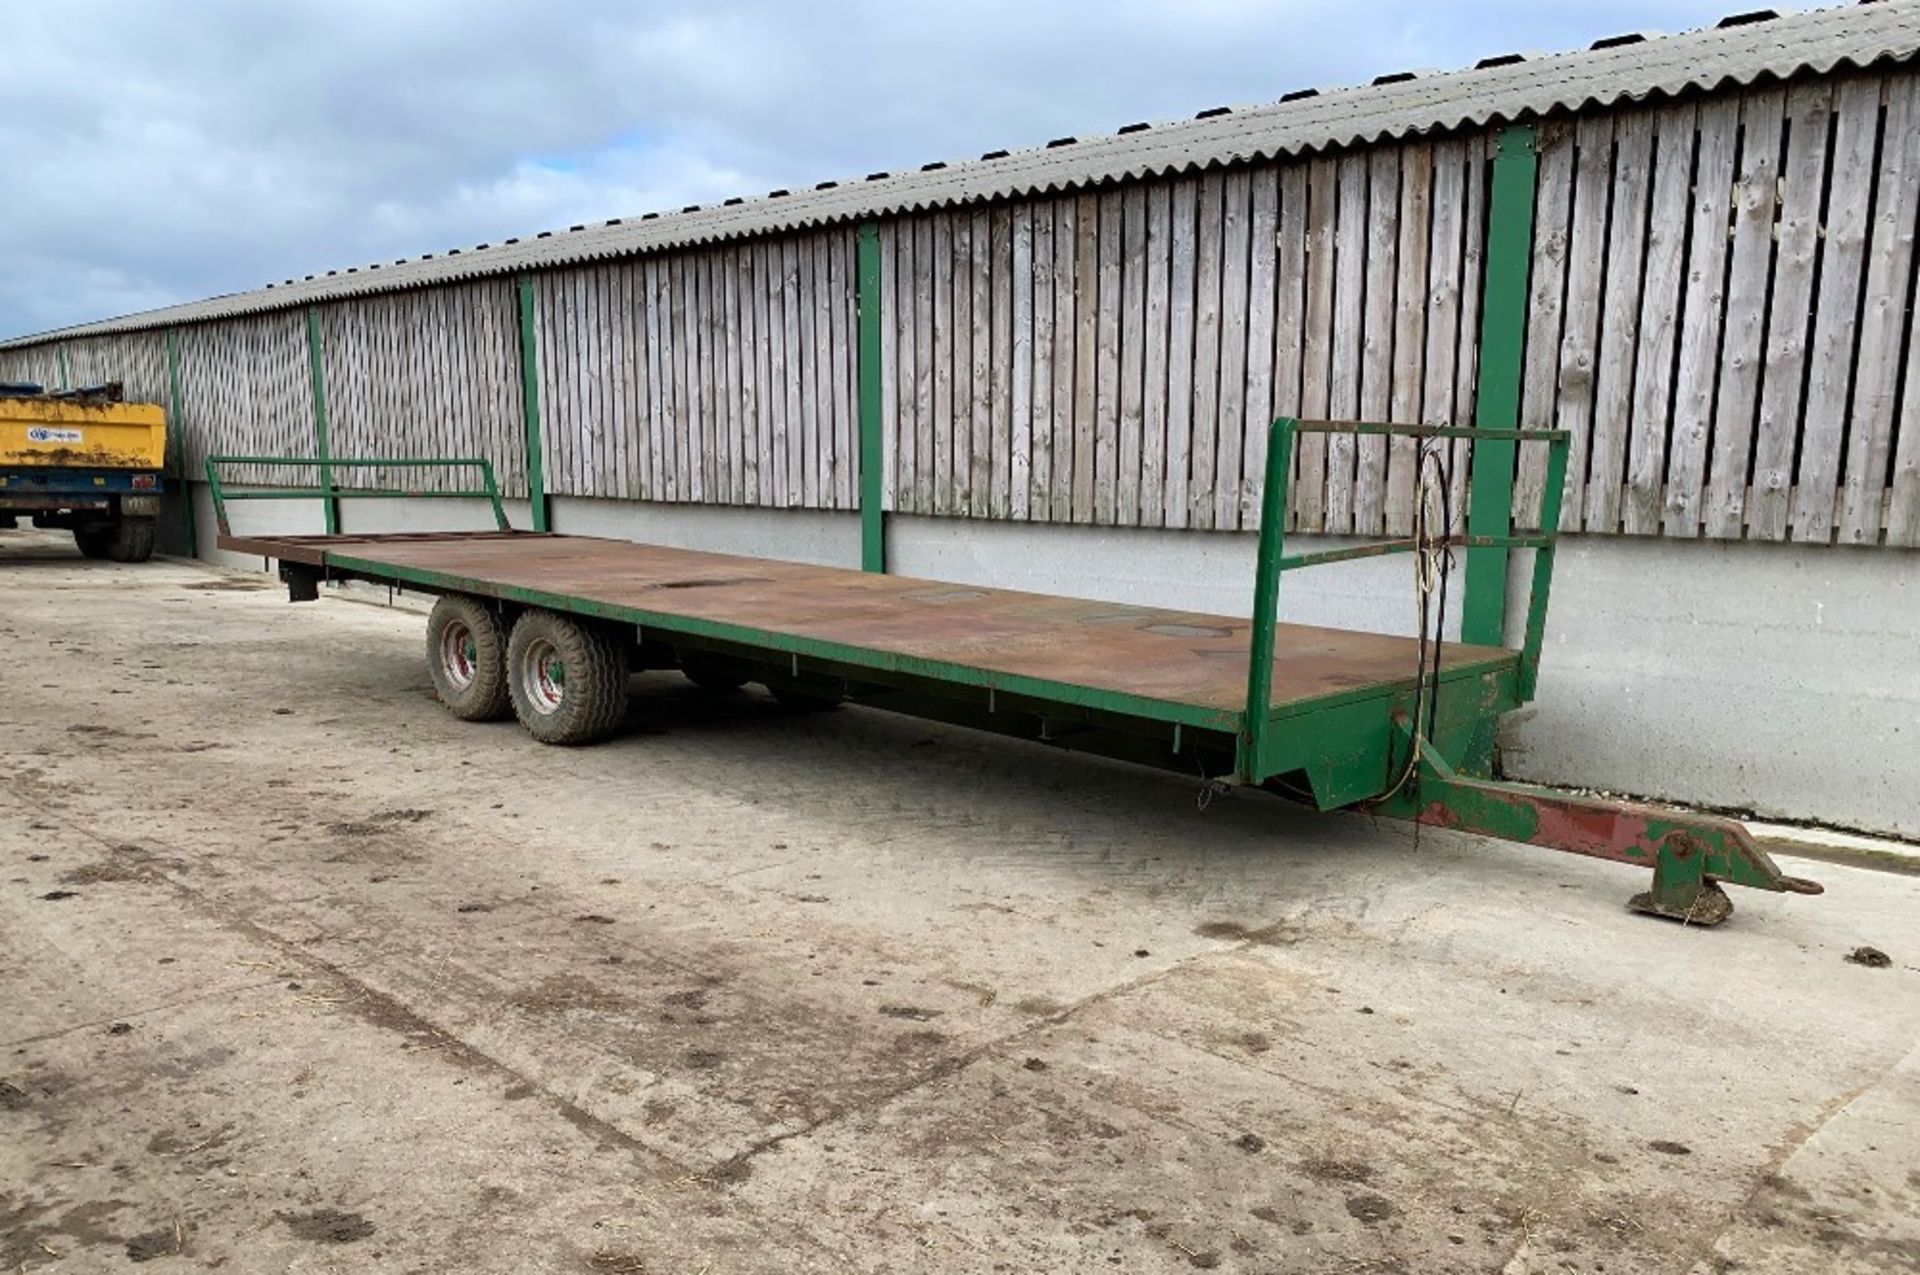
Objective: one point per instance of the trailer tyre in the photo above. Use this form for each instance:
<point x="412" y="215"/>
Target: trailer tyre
<point x="568" y="679"/>
<point x="131" y="540"/>
<point x="467" y="658"/>
<point x="93" y="542"/>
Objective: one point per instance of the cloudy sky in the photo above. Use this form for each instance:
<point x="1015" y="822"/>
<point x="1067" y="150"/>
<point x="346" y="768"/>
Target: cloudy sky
<point x="165" y="152"/>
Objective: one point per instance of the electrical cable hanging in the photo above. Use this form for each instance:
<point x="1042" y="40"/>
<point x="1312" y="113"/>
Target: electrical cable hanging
<point x="1432" y="568"/>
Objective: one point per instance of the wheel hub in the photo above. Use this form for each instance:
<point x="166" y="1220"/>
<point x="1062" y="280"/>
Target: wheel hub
<point x="459" y="655"/>
<point x="543" y="676"/>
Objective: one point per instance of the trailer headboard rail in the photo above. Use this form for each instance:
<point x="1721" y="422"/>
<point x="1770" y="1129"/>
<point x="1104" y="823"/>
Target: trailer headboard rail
<point x="329" y="491"/>
<point x="1256" y="762"/>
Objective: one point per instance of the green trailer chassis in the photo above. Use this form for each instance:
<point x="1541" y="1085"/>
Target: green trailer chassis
<point x="1418" y="747"/>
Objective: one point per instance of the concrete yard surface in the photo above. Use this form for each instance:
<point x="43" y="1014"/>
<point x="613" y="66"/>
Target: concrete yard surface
<point x="298" y="973"/>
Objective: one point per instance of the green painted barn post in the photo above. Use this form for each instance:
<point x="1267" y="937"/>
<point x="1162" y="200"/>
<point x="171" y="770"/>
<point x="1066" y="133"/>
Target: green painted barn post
<point x="66" y="377"/>
<point x="177" y="439"/>
<point x="530" y="406"/>
<point x="1503" y="326"/>
<point x="316" y="371"/>
<point x="873" y="527"/>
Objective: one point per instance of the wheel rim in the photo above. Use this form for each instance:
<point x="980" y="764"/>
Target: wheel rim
<point x="459" y="655"/>
<point x="543" y="676"/>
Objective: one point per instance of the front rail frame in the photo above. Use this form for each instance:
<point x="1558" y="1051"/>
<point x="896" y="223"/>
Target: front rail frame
<point x="1691" y="854"/>
<point x="1258" y="759"/>
<point x="327" y="490"/>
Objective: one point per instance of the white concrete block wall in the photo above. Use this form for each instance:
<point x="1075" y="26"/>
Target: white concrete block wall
<point x="816" y="536"/>
<point x="1778" y="678"/>
<point x="262" y="517"/>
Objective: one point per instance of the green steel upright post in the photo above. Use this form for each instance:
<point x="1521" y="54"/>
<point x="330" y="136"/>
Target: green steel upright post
<point x="873" y="527"/>
<point x="1266" y="600"/>
<point x="177" y="441"/>
<point x="530" y="406"/>
<point x="66" y="377"/>
<point x="315" y="370"/>
<point x="1543" y="569"/>
<point x="1503" y="325"/>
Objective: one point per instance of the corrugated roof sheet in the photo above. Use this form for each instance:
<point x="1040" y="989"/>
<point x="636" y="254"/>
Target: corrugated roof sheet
<point x="1740" y="50"/>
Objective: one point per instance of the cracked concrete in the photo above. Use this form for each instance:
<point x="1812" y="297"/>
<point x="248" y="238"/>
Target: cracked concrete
<point x="334" y="982"/>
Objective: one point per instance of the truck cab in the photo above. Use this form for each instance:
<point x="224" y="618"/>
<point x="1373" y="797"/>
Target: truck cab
<point x="85" y="461"/>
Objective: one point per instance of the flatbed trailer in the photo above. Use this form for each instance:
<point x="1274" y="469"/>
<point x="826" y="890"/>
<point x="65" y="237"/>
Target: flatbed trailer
<point x="548" y="627"/>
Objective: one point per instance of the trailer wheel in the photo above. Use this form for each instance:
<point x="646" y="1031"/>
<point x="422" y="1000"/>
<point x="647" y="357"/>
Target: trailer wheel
<point x="568" y="680"/>
<point x="131" y="540"/>
<point x="467" y="657"/>
<point x="714" y="673"/>
<point x="128" y="540"/>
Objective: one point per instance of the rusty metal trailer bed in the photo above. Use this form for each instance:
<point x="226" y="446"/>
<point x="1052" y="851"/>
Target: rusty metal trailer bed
<point x="548" y="627"/>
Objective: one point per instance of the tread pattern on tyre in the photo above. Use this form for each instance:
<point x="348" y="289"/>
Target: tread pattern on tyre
<point x="131" y="540"/>
<point x="595" y="700"/>
<point x="487" y="699"/>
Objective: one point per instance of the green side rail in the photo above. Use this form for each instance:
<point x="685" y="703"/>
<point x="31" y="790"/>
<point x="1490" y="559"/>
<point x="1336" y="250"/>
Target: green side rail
<point x="1255" y="761"/>
<point x="328" y="490"/>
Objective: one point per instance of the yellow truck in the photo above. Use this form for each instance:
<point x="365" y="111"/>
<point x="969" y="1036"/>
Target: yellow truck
<point x="85" y="461"/>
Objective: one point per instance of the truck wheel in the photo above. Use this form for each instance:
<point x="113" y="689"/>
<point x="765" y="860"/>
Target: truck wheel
<point x="131" y="540"/>
<point x="568" y="681"/>
<point x="467" y="656"/>
<point x="714" y="673"/>
<point x="93" y="541"/>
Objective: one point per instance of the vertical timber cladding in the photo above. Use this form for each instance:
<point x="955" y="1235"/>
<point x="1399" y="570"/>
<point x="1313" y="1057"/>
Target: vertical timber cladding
<point x="1703" y="318"/>
<point x="246" y="388"/>
<point x="317" y="376"/>
<point x="138" y="360"/>
<point x="1115" y="357"/>
<point x="431" y="372"/>
<point x="719" y="375"/>
<point x="35" y="364"/>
